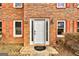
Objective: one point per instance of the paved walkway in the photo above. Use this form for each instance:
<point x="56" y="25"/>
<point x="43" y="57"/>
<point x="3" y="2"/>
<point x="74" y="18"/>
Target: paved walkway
<point x="49" y="51"/>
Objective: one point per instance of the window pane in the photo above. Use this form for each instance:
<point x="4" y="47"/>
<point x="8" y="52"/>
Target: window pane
<point x="18" y="4"/>
<point x="0" y="4"/>
<point x="18" y="31"/>
<point x="18" y="28"/>
<point x="0" y="24"/>
<point x="60" y="4"/>
<point x="0" y="31"/>
<point x="77" y="24"/>
<point x="0" y="28"/>
<point x="60" y="25"/>
<point x="60" y="31"/>
<point x="18" y="24"/>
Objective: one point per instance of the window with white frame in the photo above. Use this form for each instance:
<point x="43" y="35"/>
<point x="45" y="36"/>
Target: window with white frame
<point x="77" y="5"/>
<point x="60" y="28"/>
<point x="17" y="28"/>
<point x="0" y="29"/>
<point x="77" y="26"/>
<point x="18" y="5"/>
<point x="61" y="5"/>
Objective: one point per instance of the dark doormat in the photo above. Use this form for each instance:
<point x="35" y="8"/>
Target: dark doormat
<point x="39" y="48"/>
<point x="3" y="54"/>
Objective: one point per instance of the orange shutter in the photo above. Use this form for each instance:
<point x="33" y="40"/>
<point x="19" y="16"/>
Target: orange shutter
<point x="75" y="26"/>
<point x="68" y="26"/>
<point x="11" y="28"/>
<point x="4" y="29"/>
<point x="3" y="5"/>
<point x="75" y="5"/>
<point x="68" y="5"/>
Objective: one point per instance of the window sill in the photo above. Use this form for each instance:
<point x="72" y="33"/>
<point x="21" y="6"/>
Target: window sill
<point x="17" y="35"/>
<point x="17" y="7"/>
<point x="60" y="35"/>
<point x="61" y="7"/>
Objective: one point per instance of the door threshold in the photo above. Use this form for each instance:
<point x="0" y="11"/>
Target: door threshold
<point x="39" y="45"/>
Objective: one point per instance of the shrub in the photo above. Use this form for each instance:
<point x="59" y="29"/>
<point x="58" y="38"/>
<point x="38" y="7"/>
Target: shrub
<point x="72" y="41"/>
<point x="72" y="36"/>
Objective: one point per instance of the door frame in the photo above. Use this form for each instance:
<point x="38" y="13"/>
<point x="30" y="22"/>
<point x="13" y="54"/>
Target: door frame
<point x="32" y="19"/>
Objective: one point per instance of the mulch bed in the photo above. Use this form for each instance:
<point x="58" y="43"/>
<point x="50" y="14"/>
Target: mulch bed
<point x="64" y="51"/>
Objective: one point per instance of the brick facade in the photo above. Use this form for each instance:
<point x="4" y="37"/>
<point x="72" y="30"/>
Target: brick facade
<point x="7" y="14"/>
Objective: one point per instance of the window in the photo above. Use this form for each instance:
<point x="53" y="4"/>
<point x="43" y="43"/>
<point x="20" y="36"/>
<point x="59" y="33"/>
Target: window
<point x="78" y="26"/>
<point x="0" y="4"/>
<point x="61" y="5"/>
<point x="77" y="5"/>
<point x="60" y="28"/>
<point x="18" y="28"/>
<point x="0" y="29"/>
<point x="18" y="5"/>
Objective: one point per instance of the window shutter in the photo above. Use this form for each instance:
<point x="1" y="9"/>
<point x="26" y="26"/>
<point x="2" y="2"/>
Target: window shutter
<point x="75" y="26"/>
<point x="46" y="30"/>
<point x="32" y="31"/>
<point x="4" y="29"/>
<point x="68" y="26"/>
<point x="11" y="28"/>
<point x="3" y="5"/>
<point x="75" y="5"/>
<point x="68" y="5"/>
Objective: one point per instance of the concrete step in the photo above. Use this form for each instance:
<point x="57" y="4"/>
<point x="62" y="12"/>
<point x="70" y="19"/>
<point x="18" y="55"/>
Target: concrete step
<point x="49" y="51"/>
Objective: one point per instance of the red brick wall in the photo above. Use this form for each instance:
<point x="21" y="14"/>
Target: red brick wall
<point x="8" y="14"/>
<point x="69" y="14"/>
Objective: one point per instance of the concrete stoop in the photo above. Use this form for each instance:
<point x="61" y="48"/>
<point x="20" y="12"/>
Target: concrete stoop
<point x="30" y="51"/>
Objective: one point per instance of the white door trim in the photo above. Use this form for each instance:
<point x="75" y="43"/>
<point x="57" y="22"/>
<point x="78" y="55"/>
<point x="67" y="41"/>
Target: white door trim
<point x="32" y="19"/>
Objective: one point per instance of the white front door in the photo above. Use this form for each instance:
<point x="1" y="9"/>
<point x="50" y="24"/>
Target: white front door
<point x="39" y="32"/>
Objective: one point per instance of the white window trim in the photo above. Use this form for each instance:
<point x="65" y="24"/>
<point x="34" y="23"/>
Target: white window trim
<point x="64" y="27"/>
<point x="0" y="35"/>
<point x="14" y="28"/>
<point x="61" y="6"/>
<point x="32" y="19"/>
<point x="18" y="6"/>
